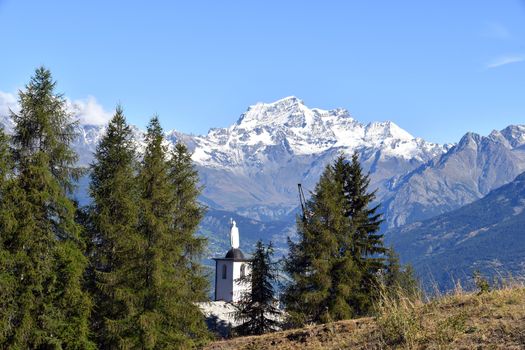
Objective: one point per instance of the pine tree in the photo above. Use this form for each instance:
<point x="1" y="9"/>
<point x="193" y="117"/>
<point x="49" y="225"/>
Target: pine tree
<point x="8" y="281"/>
<point x="366" y="242"/>
<point x="334" y="265"/>
<point x="6" y="162"/>
<point x="43" y="240"/>
<point x="257" y="308"/>
<point x="192" y="284"/>
<point x="167" y="312"/>
<point x="117" y="255"/>
<point x="397" y="279"/>
<point x="310" y="263"/>
<point x="392" y="272"/>
<point x="155" y="219"/>
<point x="345" y="295"/>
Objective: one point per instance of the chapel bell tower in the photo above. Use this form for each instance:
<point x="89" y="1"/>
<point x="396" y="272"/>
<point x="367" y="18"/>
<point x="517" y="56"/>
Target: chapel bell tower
<point x="230" y="268"/>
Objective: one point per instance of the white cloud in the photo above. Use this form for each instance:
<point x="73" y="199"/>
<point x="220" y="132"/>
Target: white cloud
<point x="504" y="60"/>
<point x="7" y="102"/>
<point x="87" y="111"/>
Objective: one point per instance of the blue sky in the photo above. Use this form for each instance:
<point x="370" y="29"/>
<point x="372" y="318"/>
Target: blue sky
<point x="436" y="68"/>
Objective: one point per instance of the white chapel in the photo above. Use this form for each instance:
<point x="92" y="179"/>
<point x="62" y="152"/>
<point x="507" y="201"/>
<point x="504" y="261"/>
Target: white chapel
<point x="229" y="269"/>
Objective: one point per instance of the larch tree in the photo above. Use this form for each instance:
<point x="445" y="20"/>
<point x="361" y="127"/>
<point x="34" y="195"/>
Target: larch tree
<point x="117" y="247"/>
<point x="50" y="308"/>
<point x="257" y="309"/>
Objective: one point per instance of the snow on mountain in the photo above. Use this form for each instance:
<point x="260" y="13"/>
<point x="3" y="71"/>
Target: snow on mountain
<point x="253" y="166"/>
<point x="303" y="131"/>
<point x="89" y="136"/>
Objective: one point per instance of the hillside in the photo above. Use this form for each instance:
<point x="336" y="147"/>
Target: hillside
<point x="494" y="320"/>
<point x="486" y="235"/>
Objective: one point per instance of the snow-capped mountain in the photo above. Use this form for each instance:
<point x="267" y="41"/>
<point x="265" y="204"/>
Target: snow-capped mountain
<point x="302" y="131"/>
<point x="254" y="165"/>
<point x="90" y="135"/>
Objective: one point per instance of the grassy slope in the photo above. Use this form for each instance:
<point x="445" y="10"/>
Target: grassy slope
<point x="494" y="320"/>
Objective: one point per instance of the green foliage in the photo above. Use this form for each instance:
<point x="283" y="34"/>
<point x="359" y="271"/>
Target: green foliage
<point x="134" y="249"/>
<point x="335" y="263"/>
<point x="117" y="248"/>
<point x="397" y="279"/>
<point x="187" y="214"/>
<point x="311" y="259"/>
<point x="400" y="323"/>
<point x="167" y="224"/>
<point x="145" y="273"/>
<point x="43" y="304"/>
<point x="8" y="280"/>
<point x="257" y="310"/>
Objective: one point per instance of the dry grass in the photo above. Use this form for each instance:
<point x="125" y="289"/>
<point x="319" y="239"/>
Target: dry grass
<point x="493" y="320"/>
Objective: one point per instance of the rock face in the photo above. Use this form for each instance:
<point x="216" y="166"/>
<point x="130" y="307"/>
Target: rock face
<point x="253" y="166"/>
<point x="467" y="172"/>
<point x="486" y="235"/>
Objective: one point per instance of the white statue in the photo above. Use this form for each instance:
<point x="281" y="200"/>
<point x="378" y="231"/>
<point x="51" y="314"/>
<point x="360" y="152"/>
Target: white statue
<point x="234" y="234"/>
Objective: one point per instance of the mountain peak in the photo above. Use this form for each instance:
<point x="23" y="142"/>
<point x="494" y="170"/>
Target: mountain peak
<point x="387" y="129"/>
<point x="277" y="112"/>
<point x="287" y="101"/>
<point x="283" y="103"/>
<point x="515" y="134"/>
<point x="470" y="138"/>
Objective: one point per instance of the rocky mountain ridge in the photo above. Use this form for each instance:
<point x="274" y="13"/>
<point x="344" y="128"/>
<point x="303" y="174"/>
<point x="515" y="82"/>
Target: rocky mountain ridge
<point x="253" y="166"/>
<point x="485" y="235"/>
<point x="467" y="172"/>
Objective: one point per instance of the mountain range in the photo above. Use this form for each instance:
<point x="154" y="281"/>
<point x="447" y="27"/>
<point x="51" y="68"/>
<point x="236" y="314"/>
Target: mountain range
<point x="250" y="170"/>
<point x="485" y="236"/>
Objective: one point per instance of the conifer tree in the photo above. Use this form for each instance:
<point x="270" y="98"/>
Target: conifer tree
<point x="257" y="310"/>
<point x="43" y="240"/>
<point x="192" y="284"/>
<point x="310" y="263"/>
<point x="399" y="280"/>
<point x="335" y="262"/>
<point x="345" y="295"/>
<point x="8" y="280"/>
<point x="155" y="219"/>
<point x="117" y="256"/>
<point x="6" y="162"/>
<point x="167" y="320"/>
<point x="365" y="219"/>
<point x="366" y="242"/>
